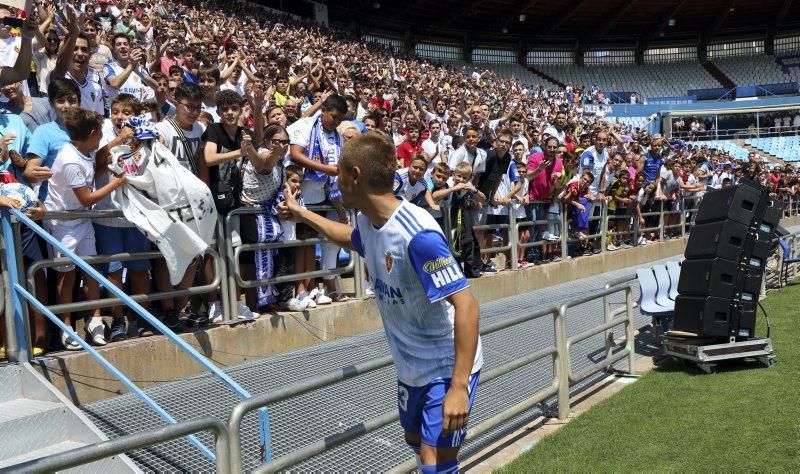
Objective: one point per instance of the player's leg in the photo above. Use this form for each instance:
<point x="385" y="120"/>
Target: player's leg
<point x="439" y="450"/>
<point x="409" y="404"/>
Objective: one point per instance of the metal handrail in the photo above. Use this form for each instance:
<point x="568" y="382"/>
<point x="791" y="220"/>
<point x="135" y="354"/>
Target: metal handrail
<point x="124" y="257"/>
<point x="232" y="253"/>
<point x="143" y="439"/>
<point x="143" y="313"/>
<point x="559" y="351"/>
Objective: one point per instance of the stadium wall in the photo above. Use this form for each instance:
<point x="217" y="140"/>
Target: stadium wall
<point x="645" y="110"/>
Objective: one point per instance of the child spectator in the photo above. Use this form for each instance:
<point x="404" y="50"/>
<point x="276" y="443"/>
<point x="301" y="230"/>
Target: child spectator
<point x="620" y="193"/>
<point x="410" y="147"/>
<point x="48" y="139"/>
<point x="521" y="200"/>
<point x="441" y="192"/>
<point x="576" y="196"/>
<point x="262" y="182"/>
<point x="227" y="147"/>
<point x="183" y="136"/>
<point x="70" y="189"/>
<point x="466" y="204"/>
<point x="116" y="235"/>
<point x="410" y="184"/>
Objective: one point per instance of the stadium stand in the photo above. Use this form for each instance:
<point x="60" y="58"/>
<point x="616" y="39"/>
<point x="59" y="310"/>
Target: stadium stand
<point x="727" y="146"/>
<point x="753" y="70"/>
<point x="648" y="80"/>
<point x="785" y="148"/>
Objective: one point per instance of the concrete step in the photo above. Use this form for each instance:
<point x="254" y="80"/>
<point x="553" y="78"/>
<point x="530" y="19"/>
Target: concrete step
<point x="30" y="425"/>
<point x="40" y="453"/>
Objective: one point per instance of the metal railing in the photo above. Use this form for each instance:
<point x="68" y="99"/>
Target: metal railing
<point x="143" y="439"/>
<point x="20" y="316"/>
<point x="558" y="351"/>
<point x="233" y="251"/>
<point x="219" y="284"/>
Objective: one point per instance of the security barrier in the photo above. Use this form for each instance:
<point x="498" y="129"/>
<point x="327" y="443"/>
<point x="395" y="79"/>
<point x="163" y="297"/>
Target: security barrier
<point x="559" y="352"/>
<point x="18" y="337"/>
<point x="127" y="443"/>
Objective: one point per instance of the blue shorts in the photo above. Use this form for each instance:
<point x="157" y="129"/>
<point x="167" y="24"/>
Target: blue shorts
<point x="113" y="240"/>
<point x="421" y="411"/>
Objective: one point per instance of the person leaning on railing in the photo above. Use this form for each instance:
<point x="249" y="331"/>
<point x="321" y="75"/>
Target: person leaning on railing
<point x="71" y="189"/>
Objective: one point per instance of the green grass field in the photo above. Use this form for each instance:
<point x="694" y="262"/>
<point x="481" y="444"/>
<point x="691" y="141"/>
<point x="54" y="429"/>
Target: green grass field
<point x="744" y="418"/>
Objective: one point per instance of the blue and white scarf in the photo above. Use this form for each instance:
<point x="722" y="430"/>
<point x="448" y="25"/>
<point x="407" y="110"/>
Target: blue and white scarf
<point x="268" y="228"/>
<point x="323" y="151"/>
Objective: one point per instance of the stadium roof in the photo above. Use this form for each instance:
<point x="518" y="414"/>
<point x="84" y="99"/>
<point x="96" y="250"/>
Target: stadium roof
<point x="580" y="24"/>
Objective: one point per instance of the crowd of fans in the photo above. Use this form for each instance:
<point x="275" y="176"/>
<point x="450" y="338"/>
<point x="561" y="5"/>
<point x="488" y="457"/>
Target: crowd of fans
<point x="253" y="102"/>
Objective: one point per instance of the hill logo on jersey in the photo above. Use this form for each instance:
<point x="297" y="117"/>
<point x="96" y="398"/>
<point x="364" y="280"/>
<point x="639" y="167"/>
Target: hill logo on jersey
<point x="443" y="270"/>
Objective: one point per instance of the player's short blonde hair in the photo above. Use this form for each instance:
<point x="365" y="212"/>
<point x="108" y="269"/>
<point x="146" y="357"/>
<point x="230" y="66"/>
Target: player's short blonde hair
<point x="375" y="157"/>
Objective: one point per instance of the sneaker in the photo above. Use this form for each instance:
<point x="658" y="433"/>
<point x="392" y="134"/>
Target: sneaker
<point x="320" y="297"/>
<point x="96" y="331"/>
<point x="194" y="320"/>
<point x="522" y="263"/>
<point x="556" y="259"/>
<point x="295" y="304"/>
<point x="69" y="343"/>
<point x="554" y="238"/>
<point x="488" y="267"/>
<point x="172" y="320"/>
<point x="244" y="312"/>
<point x="547" y="236"/>
<point x="369" y="293"/>
<point x="624" y="245"/>
<point x="119" y="329"/>
<point x="143" y="328"/>
<point x="642" y="241"/>
<point x="305" y="298"/>
<point x="611" y="247"/>
<point x="215" y="312"/>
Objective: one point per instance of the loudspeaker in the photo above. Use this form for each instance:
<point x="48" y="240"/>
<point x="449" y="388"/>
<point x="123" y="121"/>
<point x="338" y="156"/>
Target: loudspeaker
<point x="729" y="240"/>
<point x="715" y="317"/>
<point x="720" y="278"/>
<point x="725" y="257"/>
<point x="741" y="203"/>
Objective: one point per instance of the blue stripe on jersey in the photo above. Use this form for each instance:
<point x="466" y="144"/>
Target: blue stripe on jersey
<point x="411" y="219"/>
<point x="355" y="241"/>
<point x="405" y="224"/>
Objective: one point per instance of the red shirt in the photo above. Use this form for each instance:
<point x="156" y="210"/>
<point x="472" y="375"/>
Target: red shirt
<point x="406" y="151"/>
<point x="382" y="104"/>
<point x="574" y="191"/>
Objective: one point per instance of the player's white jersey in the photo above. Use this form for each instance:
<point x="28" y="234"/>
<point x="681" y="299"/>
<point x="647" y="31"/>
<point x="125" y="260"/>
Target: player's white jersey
<point x="413" y="273"/>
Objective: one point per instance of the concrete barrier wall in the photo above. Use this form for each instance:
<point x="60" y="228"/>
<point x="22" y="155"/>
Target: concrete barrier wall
<point x="154" y="360"/>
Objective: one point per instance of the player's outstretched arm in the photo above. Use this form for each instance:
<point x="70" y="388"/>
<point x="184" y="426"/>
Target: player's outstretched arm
<point x="336" y="232"/>
<point x="456" y="403"/>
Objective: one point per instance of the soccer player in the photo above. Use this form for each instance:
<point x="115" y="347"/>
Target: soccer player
<point x="428" y="310"/>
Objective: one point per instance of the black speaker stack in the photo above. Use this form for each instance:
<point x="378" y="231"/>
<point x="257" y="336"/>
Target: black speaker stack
<point x="725" y="259"/>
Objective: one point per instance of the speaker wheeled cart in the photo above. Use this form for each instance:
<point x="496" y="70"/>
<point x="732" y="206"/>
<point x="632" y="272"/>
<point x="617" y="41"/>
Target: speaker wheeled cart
<point x="708" y="352"/>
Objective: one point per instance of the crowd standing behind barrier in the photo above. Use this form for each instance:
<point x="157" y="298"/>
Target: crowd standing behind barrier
<point x="252" y="101"/>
